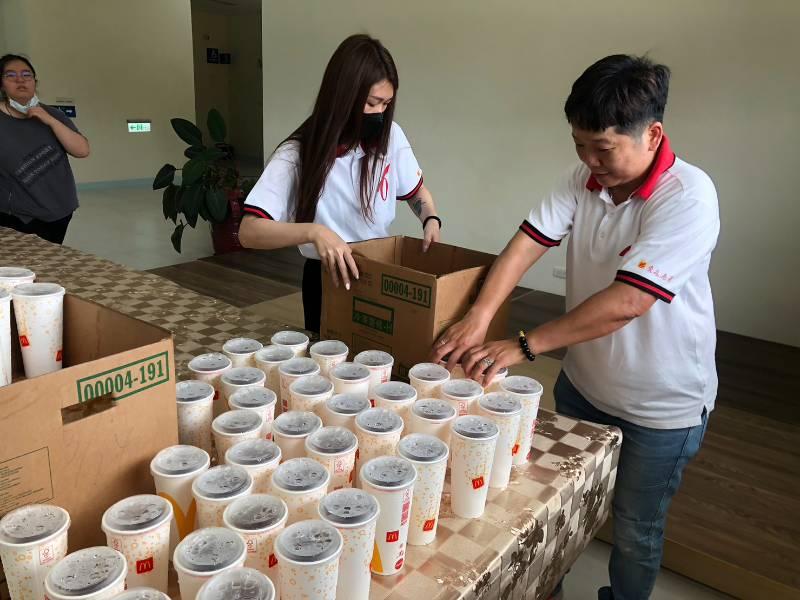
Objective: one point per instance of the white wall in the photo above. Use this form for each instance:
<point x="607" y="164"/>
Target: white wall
<point x="482" y="88"/>
<point x="118" y="60"/>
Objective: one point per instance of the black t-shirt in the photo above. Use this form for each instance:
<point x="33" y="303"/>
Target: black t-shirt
<point x="36" y="180"/>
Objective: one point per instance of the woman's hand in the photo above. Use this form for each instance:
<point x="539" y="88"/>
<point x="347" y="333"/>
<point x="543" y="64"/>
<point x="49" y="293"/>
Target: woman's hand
<point x="335" y="254"/>
<point x="431" y="234"/>
<point x="482" y="363"/>
<point x="38" y="112"/>
<point x="461" y="337"/>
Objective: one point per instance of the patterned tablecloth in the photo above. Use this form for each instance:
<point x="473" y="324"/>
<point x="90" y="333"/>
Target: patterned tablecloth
<point x="530" y="534"/>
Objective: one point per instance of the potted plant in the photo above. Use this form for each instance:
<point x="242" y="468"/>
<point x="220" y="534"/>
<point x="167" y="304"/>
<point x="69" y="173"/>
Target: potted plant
<point x="210" y="189"/>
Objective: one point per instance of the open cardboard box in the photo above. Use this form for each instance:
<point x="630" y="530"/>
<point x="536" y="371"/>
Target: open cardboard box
<point x="83" y="437"/>
<point x="405" y="298"/>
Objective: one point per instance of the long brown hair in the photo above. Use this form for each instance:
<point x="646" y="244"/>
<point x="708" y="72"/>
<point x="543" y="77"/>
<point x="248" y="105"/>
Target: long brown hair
<point x="358" y="63"/>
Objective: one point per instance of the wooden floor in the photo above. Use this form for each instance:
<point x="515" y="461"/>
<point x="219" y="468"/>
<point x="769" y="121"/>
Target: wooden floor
<point x="735" y="523"/>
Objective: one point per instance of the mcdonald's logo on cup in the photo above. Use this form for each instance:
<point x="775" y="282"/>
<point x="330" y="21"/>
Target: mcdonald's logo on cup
<point x="392" y="536"/>
<point x="477" y="483"/>
<point x="428" y="525"/>
<point x="144" y="566"/>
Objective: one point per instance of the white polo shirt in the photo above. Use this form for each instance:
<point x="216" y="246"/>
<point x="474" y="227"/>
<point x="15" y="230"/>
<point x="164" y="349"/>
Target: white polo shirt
<point x="399" y="178"/>
<point x="658" y="370"/>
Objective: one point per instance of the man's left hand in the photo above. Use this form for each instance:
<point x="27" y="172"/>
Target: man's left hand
<point x="482" y="363"/>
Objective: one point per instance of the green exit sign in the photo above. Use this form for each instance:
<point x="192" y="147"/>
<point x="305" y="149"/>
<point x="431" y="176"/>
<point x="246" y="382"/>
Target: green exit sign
<point x="138" y="126"/>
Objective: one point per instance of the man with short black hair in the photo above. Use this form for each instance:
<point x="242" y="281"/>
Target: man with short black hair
<point x="639" y="326"/>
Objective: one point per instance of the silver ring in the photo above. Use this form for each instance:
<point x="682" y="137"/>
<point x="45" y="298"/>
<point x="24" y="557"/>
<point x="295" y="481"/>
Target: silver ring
<point x="441" y="342"/>
<point x="487" y="362"/>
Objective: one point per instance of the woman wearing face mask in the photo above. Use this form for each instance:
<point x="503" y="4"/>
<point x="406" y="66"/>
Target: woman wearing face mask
<point x="337" y="178"/>
<point x="37" y="188"/>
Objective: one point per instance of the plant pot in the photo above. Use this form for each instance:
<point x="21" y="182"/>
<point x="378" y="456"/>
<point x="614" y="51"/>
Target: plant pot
<point x="225" y="235"/>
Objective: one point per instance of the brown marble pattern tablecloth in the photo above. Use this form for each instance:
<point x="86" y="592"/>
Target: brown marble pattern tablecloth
<point x="530" y="533"/>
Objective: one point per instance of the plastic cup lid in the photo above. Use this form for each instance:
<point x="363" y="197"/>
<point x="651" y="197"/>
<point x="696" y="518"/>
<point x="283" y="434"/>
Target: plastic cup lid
<point x="395" y="391"/>
<point x="253" y="397"/>
<point x="429" y="372"/>
<point x="422" y="448"/>
<point x="208" y="363"/>
<point x="498" y="402"/>
<point x="15" y="273"/>
<point x="347" y="404"/>
<point x="238" y="584"/>
<point x="379" y="420"/>
<point x="296" y="422"/>
<point x="299" y="366"/>
<point x="349" y="506"/>
<point x="86" y="571"/>
<point x="274" y="354"/>
<point x="518" y="384"/>
<point x="223" y="481"/>
<point x="32" y="523"/>
<point x="256" y="512"/>
<point x="433" y="409"/>
<point x="289" y="338"/>
<point x="374" y="358"/>
<point x="330" y="348"/>
<point x="243" y="376"/>
<point x="141" y="593"/>
<point x="462" y="388"/>
<point x="238" y="421"/>
<point x="180" y="460"/>
<point x="311" y="385"/>
<point x="242" y="346"/>
<point x="137" y="513"/>
<point x="37" y="290"/>
<point x="251" y="453"/>
<point x="348" y="371"/>
<point x="300" y="475"/>
<point x="4" y="295"/>
<point x="332" y="440"/>
<point x="389" y="472"/>
<point x="210" y="549"/>
<point x="475" y="427"/>
<point x="309" y="541"/>
<point x="193" y="391"/>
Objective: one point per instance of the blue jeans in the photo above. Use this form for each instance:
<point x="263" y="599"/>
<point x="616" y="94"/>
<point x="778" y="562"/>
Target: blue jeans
<point x="651" y="463"/>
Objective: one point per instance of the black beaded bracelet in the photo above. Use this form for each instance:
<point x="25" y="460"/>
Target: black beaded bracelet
<point x="526" y="349"/>
<point x="438" y="220"/>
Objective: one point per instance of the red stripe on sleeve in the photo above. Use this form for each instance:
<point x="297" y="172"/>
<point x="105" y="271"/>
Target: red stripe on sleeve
<point x="650" y="289"/>
<point x="259" y="212"/>
<point x="413" y="192"/>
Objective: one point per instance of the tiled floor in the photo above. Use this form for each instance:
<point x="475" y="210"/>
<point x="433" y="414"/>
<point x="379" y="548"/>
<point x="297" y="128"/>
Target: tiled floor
<point x="126" y="225"/>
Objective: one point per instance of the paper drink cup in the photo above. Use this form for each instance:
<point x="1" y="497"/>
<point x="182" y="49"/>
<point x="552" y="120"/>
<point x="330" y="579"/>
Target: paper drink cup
<point x="241" y="378"/>
<point x="39" y="312"/>
<point x="260" y="400"/>
<point x="238" y="584"/>
<point x="341" y="410"/>
<point x="235" y="426"/>
<point x="378" y="431"/>
<point x="308" y="394"/>
<point x="505" y="411"/>
<point x="292" y="370"/>
<point x="11" y="277"/>
<point x="290" y="431"/>
<point x="195" y="402"/>
<point x="215" y="489"/>
<point x="204" y="554"/>
<point x="308" y="553"/>
<point x="380" y="366"/>
<point x="396" y="396"/>
<point x="242" y="351"/>
<point x="141" y="593"/>
<point x="258" y="519"/>
<point x="90" y="574"/>
<point x="462" y="394"/>
<point x="301" y="483"/>
<point x="428" y="454"/>
<point x="350" y="378"/>
<point x="472" y="445"/>
<point x="269" y="359"/>
<point x="328" y="354"/>
<point x="293" y="340"/>
<point x="432" y="416"/>
<point x="335" y="449"/>
<point x="209" y="368"/>
<point x="259" y="457"/>
<point x="427" y="378"/>
<point x="5" y="338"/>
<point x="529" y="392"/>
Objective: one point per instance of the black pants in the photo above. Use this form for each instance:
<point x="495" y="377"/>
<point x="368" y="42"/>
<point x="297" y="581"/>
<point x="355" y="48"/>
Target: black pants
<point x="54" y="231"/>
<point x="312" y="294"/>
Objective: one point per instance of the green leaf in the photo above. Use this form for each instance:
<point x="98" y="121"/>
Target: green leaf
<point x="176" y="237"/>
<point x="190" y="203"/>
<point x="217" y="205"/>
<point x="164" y="177"/>
<point x="187" y="131"/>
<point x="170" y="202"/>
<point x="193" y="151"/>
<point x="216" y="126"/>
<point x="193" y="170"/>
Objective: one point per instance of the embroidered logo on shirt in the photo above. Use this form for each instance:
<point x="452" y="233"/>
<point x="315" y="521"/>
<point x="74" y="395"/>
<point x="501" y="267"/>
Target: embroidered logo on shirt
<point x="655" y="272"/>
<point x="642" y="264"/>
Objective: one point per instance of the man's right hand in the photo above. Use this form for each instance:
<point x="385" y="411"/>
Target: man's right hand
<point x="461" y="337"/>
<point x="335" y="254"/>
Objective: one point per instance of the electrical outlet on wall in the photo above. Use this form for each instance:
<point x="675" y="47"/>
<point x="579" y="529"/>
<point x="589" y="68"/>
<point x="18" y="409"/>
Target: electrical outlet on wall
<point x="560" y="272"/>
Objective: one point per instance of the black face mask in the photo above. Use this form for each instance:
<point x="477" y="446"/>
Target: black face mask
<point x="371" y="126"/>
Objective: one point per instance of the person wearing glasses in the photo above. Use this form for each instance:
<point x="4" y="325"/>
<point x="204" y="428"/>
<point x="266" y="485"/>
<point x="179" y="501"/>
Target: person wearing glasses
<point x="37" y="187"/>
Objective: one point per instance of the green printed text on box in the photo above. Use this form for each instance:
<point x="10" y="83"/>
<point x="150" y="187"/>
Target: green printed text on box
<point x="126" y="380"/>
<point x="373" y="315"/>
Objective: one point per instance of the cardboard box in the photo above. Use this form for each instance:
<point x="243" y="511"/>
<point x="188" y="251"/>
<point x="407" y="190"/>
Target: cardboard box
<point x="83" y="437"/>
<point x="405" y="298"/>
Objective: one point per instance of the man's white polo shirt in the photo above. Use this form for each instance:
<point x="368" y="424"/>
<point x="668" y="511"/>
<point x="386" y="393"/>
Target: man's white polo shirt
<point x="658" y="370"/>
<point x="339" y="208"/>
